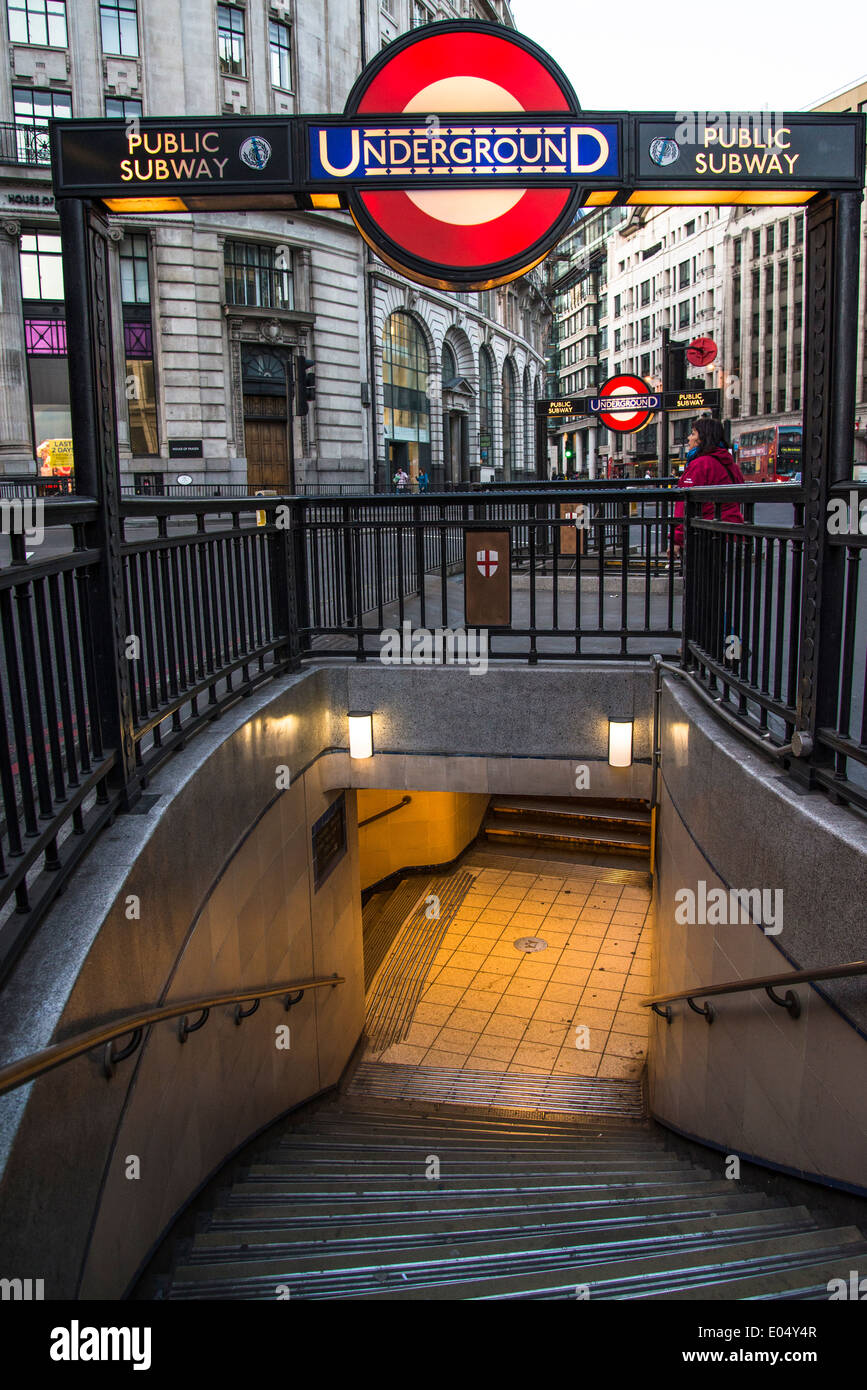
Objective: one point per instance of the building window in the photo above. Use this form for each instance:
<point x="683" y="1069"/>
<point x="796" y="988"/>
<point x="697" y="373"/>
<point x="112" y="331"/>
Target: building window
<point x="617" y="301"/>
<point x="45" y="334"/>
<point x="683" y="275"/>
<point x="41" y="266"/>
<point x="281" y="55"/>
<point x="683" y="314"/>
<point x="737" y="251"/>
<point x="420" y="15"/>
<point x="40" y="22"/>
<point x="645" y="292"/>
<point x="784" y="235"/>
<point x="769" y="238"/>
<point x="119" y="27"/>
<point x="230" y="40"/>
<point x="134" y="276"/>
<point x="258" y="276"/>
<point x="757" y="243"/>
<point x="486" y="407"/>
<point x="509" y="391"/>
<point x="406" y="407"/>
<point x="138" y="345"/>
<point x="449" y="364"/>
<point x="123" y="108"/>
<point x="33" y="110"/>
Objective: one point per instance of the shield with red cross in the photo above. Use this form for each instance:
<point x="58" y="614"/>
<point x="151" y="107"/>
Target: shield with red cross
<point x="486" y="563"/>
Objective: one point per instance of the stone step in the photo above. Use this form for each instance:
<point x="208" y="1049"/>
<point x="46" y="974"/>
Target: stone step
<point x="572" y="809"/>
<point x="226" y="1234"/>
<point x="528" y="830"/>
<point x="483" y="1268"/>
<point x="246" y="1204"/>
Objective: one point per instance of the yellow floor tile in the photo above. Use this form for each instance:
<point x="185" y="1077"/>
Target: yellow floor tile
<point x="506" y="1026"/>
<point x="493" y="1050"/>
<point x="599" y="998"/>
<point x="441" y="1058"/>
<point x="457" y="1039"/>
<point x="432" y="1013"/>
<point x="577" y="1063"/>
<point x="625" y="1045"/>
<point x="535" y="1055"/>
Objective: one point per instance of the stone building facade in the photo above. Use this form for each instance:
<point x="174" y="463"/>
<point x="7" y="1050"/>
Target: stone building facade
<point x="207" y="308"/>
<point x="734" y="274"/>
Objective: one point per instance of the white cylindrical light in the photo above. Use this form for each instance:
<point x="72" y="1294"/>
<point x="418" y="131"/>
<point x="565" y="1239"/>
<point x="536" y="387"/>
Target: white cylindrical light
<point x="360" y="734"/>
<point x="620" y="743"/>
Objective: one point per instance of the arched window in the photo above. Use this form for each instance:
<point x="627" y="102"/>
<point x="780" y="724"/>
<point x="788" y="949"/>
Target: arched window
<point x="509" y="393"/>
<point x="486" y="408"/>
<point x="405" y="370"/>
<point x="450" y="363"/>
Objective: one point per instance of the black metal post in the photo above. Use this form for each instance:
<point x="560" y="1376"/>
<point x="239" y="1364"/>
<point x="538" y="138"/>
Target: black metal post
<point x="290" y="418"/>
<point x="832" y="247"/>
<point x="94" y="434"/>
<point x="662" y="416"/>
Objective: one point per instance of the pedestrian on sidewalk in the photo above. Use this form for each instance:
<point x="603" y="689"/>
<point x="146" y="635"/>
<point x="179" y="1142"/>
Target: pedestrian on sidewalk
<point x="709" y="464"/>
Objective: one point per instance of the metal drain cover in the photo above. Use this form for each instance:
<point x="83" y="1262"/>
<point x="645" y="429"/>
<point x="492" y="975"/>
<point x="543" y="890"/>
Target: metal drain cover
<point x="530" y="943"/>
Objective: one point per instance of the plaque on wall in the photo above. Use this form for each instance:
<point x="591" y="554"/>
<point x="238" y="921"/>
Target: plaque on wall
<point x="329" y="840"/>
<point x="185" y="448"/>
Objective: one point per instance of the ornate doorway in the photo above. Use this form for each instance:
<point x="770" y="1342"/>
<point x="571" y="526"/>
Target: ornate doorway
<point x="266" y="419"/>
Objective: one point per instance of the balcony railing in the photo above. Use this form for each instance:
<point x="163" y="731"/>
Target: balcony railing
<point x="20" y="144"/>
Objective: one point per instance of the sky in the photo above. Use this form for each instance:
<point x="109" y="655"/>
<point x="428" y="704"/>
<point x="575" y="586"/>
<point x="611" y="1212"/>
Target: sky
<point x="732" y="55"/>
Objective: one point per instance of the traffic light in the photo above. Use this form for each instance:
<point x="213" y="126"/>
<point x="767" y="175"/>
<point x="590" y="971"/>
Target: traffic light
<point x="677" y="366"/>
<point x="305" y="382"/>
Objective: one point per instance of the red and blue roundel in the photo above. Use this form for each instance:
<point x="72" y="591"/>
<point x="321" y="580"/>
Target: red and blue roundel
<point x="472" y="238"/>
<point x="624" y="421"/>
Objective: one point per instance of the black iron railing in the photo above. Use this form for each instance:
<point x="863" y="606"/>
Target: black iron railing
<point x="742" y="618"/>
<point x="24" y="144"/>
<point x="590" y="573"/>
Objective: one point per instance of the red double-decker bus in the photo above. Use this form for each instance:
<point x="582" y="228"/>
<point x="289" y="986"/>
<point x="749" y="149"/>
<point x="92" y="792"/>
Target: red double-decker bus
<point x="771" y="455"/>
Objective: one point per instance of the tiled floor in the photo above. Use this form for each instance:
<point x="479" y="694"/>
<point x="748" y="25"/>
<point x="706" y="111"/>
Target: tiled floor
<point x="570" y="1009"/>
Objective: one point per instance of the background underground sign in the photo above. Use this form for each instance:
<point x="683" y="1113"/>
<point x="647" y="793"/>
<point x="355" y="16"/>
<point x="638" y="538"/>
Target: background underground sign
<point x="623" y="421"/>
<point x="465" y="238"/>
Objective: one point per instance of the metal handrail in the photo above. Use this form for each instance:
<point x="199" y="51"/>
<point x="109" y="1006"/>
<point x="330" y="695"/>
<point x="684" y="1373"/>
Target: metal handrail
<point x="26" y="1069"/>
<point x="766" y="982"/>
<point x="404" y="801"/>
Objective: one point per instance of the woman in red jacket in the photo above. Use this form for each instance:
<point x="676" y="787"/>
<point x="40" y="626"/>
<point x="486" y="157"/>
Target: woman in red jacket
<point x="711" y="465"/>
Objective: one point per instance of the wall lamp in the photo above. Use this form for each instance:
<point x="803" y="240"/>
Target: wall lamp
<point x="360" y="734"/>
<point x="620" y="742"/>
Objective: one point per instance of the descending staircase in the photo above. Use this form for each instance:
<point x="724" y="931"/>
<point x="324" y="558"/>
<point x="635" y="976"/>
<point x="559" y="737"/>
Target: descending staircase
<point x="365" y="1198"/>
<point x="594" y="828"/>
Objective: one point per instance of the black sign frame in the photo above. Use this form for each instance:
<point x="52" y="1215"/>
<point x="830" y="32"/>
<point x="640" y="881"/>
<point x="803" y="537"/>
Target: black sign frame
<point x="288" y="175"/>
<point x="329" y="840"/>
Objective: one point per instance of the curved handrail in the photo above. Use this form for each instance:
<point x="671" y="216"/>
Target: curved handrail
<point x="404" y="801"/>
<point x="26" y="1069"/>
<point x="765" y="982"/>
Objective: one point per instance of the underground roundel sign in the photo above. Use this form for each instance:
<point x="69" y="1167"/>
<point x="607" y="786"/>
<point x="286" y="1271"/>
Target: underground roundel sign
<point x="463" y="237"/>
<point x="642" y="402"/>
